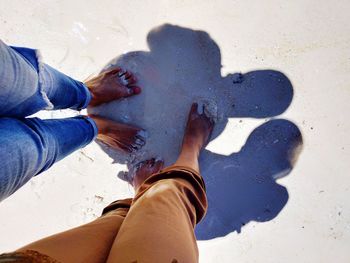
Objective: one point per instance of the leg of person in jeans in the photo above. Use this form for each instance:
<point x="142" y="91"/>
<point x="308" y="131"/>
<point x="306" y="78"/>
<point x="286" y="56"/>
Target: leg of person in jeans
<point x="158" y="227"/>
<point x="27" y="85"/>
<point x="30" y="145"/>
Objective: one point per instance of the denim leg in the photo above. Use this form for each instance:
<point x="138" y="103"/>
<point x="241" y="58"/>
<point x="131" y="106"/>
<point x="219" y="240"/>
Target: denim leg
<point x="27" y="85"/>
<point x="30" y="146"/>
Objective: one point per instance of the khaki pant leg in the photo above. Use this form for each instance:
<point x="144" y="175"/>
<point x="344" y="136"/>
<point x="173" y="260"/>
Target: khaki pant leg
<point x="160" y="224"/>
<point x="87" y="243"/>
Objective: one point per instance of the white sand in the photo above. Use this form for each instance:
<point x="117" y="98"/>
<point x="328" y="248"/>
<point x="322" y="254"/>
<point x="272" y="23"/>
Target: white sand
<point x="307" y="41"/>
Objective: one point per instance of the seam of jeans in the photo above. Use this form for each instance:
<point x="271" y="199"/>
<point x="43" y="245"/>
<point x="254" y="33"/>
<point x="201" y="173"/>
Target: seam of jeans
<point x="42" y="77"/>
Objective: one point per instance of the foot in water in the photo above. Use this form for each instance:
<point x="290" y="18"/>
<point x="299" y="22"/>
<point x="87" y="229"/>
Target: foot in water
<point x="199" y="126"/>
<point x="112" y="85"/>
<point x="197" y="133"/>
<point x="119" y="136"/>
<point x="145" y="169"/>
<point x="198" y="129"/>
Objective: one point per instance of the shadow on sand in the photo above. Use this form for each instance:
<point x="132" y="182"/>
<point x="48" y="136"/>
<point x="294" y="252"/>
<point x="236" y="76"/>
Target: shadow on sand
<point x="182" y="66"/>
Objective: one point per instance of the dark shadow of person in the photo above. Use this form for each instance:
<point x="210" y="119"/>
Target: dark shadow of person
<point x="182" y="66"/>
<point x="242" y="187"/>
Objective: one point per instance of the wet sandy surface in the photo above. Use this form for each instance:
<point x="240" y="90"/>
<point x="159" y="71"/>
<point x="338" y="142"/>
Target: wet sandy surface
<point x="303" y="217"/>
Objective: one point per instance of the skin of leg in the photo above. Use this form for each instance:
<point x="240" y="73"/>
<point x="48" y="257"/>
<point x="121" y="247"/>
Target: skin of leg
<point x="87" y="243"/>
<point x="197" y="133"/>
<point x="188" y="158"/>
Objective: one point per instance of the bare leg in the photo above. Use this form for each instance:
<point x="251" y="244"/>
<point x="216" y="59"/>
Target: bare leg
<point x="197" y="133"/>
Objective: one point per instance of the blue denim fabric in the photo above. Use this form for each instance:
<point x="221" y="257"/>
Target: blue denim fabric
<point x="29" y="146"/>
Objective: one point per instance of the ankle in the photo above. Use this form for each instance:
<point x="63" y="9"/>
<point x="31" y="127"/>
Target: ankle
<point x="188" y="159"/>
<point x="191" y="145"/>
<point x="190" y="151"/>
<point x="100" y="124"/>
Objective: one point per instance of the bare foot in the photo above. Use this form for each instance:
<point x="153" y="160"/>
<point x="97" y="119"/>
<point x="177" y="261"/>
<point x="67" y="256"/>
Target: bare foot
<point x="119" y="136"/>
<point x="112" y="85"/>
<point x="197" y="133"/>
<point x="198" y="129"/>
<point x="145" y="169"/>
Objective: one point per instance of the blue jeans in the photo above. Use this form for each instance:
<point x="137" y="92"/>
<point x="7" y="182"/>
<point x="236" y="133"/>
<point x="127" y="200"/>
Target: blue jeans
<point x="29" y="146"/>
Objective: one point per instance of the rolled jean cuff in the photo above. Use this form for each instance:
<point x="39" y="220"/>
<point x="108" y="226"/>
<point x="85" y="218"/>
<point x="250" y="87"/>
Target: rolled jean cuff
<point x="88" y="97"/>
<point x="93" y="124"/>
